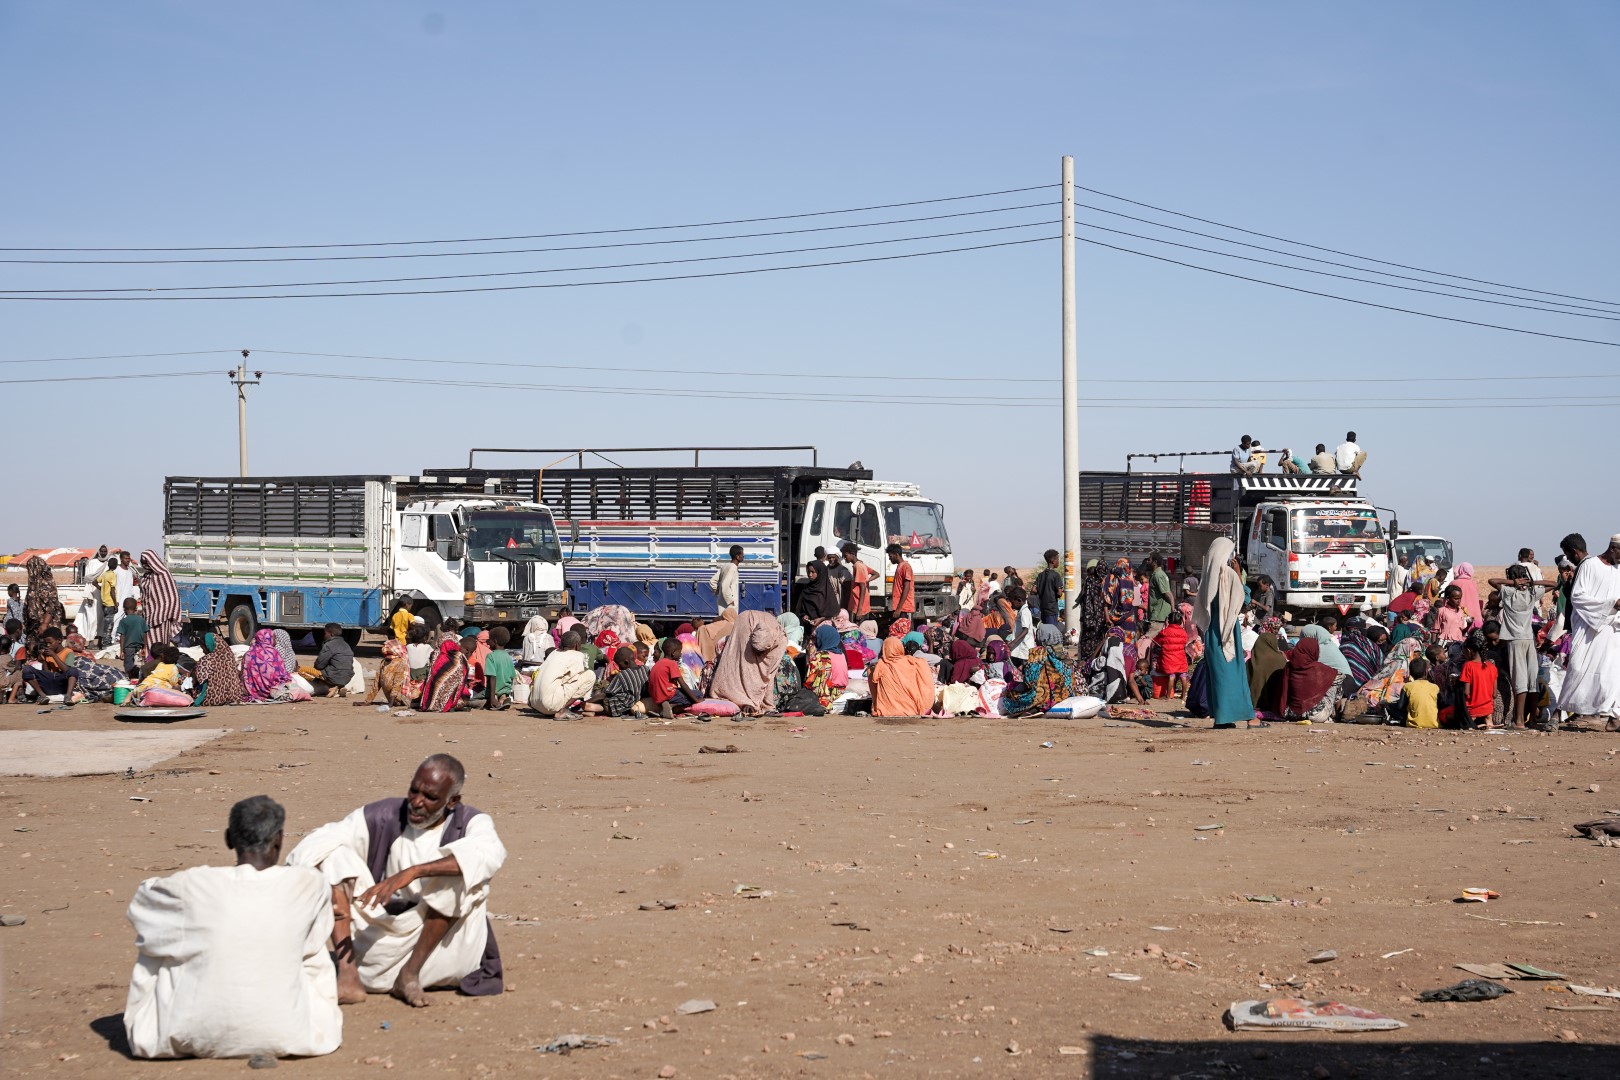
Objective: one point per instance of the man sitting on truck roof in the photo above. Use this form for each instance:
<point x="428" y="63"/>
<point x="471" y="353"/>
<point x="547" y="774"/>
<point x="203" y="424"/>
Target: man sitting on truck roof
<point x="1322" y="461"/>
<point x="1243" y="463"/>
<point x="1349" y="456"/>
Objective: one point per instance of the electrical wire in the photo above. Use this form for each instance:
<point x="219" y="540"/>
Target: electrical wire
<point x="1348" y="277"/>
<point x="558" y="235"/>
<point x="105" y="378"/>
<point x="1346" y="299"/>
<point x="515" y="288"/>
<point x="1347" y="254"/>
<point x="526" y="273"/>
<point x="115" y="356"/>
<point x="1325" y="262"/>
<point x="524" y="251"/>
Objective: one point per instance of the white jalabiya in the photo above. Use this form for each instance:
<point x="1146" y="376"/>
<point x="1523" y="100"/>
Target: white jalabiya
<point x="1592" y="683"/>
<point x="232" y="961"/>
<point x="383" y="942"/>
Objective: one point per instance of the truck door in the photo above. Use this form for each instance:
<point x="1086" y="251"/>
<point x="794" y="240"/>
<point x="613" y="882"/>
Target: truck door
<point x="1270" y="549"/>
<point x="856" y="521"/>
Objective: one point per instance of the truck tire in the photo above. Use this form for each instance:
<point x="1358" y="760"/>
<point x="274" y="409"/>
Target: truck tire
<point x="429" y="614"/>
<point x="241" y="623"/>
<point x="352" y="636"/>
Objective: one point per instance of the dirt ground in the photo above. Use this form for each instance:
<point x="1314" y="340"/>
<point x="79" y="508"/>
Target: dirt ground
<point x="928" y="893"/>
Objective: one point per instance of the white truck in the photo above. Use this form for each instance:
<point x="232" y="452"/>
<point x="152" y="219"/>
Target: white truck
<point x="301" y="551"/>
<point x="1319" y="542"/>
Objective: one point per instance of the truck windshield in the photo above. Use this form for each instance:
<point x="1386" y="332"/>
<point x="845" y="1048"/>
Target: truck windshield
<point x="1338" y="532"/>
<point x="1431" y="549"/>
<point x="512" y="535"/>
<point x="917" y="527"/>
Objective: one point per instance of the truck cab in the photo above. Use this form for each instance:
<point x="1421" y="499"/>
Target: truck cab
<point x="1320" y="554"/>
<point x="873" y="514"/>
<point x="486" y="560"/>
<point x="1437" y="551"/>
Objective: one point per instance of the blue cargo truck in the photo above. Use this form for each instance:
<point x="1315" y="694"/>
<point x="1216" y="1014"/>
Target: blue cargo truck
<point x="297" y="552"/>
<point x="650" y="536"/>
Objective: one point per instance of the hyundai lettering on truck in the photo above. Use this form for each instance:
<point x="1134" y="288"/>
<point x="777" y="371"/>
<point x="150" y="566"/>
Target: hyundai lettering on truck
<point x="297" y="552"/>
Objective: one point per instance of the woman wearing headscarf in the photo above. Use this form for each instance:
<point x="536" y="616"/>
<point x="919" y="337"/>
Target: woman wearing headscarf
<point x="1305" y="686"/>
<point x="794" y="629"/>
<point x="607" y="643"/>
<point x="998" y="662"/>
<point x="219" y="674"/>
<point x="445" y="683"/>
<point x="160" y="600"/>
<point x="818" y="597"/>
<point x="1093" y="611"/>
<point x="1048" y="678"/>
<point x="1265" y="662"/>
<point x="1326" y="647"/>
<point x="282" y="641"/>
<point x="1464" y="580"/>
<point x="901" y="685"/>
<point x="1121" y="595"/>
<point x="265" y="675"/>
<point x="825" y="664"/>
<point x="42" y="608"/>
<point x="1216" y="614"/>
<point x="536" y="641"/>
<point x="394" y="678"/>
<point x="745" y="673"/>
<point x="965" y="661"/>
<point x="1361" y="652"/>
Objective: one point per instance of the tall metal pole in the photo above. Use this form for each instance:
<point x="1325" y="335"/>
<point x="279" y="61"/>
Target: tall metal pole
<point x="1071" y="416"/>
<point x="242" y="382"/>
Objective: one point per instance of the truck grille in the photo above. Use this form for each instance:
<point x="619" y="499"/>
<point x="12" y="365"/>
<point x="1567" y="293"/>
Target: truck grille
<point x="1356" y="582"/>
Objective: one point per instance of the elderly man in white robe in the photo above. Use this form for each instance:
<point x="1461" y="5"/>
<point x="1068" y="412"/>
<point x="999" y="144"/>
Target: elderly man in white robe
<point x="231" y="961"/>
<point x="1592" y="682"/>
<point x="409" y="879"/>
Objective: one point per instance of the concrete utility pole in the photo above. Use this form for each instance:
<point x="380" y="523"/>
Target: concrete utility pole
<point x="1071" y="416"/>
<point x="242" y="382"/>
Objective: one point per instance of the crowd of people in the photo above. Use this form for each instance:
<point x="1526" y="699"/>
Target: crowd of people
<point x="1250" y="457"/>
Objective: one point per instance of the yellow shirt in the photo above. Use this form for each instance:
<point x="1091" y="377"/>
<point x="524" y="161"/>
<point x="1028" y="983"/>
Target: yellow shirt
<point x="1422" y="704"/>
<point x="402" y="624"/>
<point x="108" y="582"/>
<point x="162" y="676"/>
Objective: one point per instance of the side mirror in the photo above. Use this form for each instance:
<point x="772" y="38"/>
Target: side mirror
<point x="573" y="532"/>
<point x="456" y="551"/>
<point x="859" y="507"/>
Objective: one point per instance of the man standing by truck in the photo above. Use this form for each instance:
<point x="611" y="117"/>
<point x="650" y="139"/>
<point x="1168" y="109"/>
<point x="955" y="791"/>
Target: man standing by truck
<point x="858" y="595"/>
<point x="1048" y="589"/>
<point x="903" y="597"/>
<point x="724" y="582"/>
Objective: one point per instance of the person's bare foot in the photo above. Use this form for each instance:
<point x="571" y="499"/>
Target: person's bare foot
<point x="409" y="990"/>
<point x="349" y="990"/>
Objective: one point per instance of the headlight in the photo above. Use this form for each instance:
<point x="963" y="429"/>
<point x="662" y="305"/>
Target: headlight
<point x="485" y="598"/>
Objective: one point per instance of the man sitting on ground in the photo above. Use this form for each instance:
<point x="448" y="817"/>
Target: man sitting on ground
<point x="231" y="961"/>
<point x="334" y="665"/>
<point x="564" y="677"/>
<point x="409" y="880"/>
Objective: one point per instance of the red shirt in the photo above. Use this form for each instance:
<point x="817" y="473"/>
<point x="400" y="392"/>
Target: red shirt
<point x="663" y="680"/>
<point x="1172" y="645"/>
<point x="858" y="603"/>
<point x="904" y="600"/>
<point x="1480" y="678"/>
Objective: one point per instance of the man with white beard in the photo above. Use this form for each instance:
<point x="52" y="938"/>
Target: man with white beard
<point x="1592" y="682"/>
<point x="410" y="879"/>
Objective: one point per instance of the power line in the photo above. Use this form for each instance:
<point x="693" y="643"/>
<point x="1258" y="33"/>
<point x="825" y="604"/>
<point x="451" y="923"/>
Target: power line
<point x="1347" y="254"/>
<point x="113" y="356"/>
<point x="1348" y="277"/>
<point x="557" y="235"/>
<point x="515" y="288"/>
<point x="1346" y="299"/>
<point x="1312" y="258"/>
<point x="105" y="378"/>
<point x="525" y="273"/>
<point x="522" y="251"/>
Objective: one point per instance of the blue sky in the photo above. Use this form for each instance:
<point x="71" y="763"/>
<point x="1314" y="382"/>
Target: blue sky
<point x="1471" y="137"/>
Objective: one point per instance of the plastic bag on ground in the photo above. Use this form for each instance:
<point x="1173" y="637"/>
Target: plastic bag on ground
<point x="1297" y="1014"/>
<point x="1077" y="708"/>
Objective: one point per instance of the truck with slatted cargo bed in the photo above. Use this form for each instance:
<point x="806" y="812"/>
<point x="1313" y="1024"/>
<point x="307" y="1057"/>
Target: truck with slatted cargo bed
<point x="649" y="536"/>
<point x="1313" y="535"/>
<point x="297" y="552"/>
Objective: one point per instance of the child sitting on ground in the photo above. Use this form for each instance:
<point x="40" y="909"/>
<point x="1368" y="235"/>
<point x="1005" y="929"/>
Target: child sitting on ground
<point x="1422" y="697"/>
<point x="666" y="690"/>
<point x="621" y="695"/>
<point x="499" y="671"/>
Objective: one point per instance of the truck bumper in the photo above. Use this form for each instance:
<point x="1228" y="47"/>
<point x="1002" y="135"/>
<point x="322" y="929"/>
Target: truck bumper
<point x="518" y="609"/>
<point x="1358" y="598"/>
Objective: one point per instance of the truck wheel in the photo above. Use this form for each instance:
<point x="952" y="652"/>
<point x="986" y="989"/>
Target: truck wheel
<point x="429" y="614"/>
<point x="352" y="636"/>
<point x="241" y="624"/>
